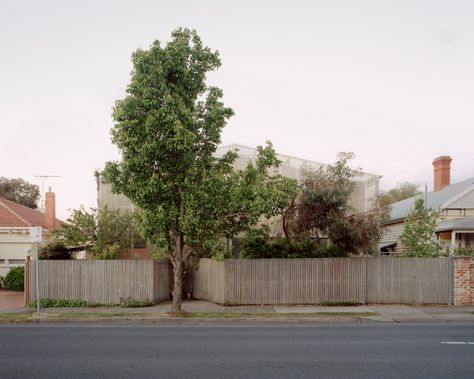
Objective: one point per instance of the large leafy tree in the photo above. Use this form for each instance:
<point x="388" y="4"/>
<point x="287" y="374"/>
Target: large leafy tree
<point x="167" y="129"/>
<point x="418" y="232"/>
<point x="20" y="191"/>
<point x="402" y="191"/>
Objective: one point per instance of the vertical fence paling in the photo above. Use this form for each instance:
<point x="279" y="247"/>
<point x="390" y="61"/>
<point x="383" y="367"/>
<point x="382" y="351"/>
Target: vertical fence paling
<point x="381" y="280"/>
<point x="161" y="281"/>
<point x="102" y="281"/>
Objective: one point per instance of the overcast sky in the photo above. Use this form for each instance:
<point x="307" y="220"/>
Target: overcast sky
<point x="391" y="81"/>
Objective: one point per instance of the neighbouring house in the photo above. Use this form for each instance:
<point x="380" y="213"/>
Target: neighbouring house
<point x="456" y="202"/>
<point x="15" y="223"/>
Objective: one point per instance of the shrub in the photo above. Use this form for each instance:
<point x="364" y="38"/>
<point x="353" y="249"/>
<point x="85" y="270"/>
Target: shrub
<point x="56" y="250"/>
<point x="47" y="302"/>
<point x="15" y="279"/>
<point x="464" y="252"/>
<point x="257" y="245"/>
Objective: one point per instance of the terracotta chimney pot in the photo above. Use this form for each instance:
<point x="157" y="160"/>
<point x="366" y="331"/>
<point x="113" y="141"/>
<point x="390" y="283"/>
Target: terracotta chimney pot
<point x="442" y="172"/>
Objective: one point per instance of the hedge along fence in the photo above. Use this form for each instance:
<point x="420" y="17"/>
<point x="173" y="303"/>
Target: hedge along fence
<point x="101" y="281"/>
<point x="312" y="281"/>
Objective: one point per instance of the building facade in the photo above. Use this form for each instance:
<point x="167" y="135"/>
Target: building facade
<point x="455" y="228"/>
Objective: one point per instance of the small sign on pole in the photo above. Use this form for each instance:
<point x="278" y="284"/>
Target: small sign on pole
<point x="36" y="236"/>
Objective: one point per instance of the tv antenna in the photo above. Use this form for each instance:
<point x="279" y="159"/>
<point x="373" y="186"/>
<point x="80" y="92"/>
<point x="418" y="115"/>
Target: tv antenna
<point x="43" y="178"/>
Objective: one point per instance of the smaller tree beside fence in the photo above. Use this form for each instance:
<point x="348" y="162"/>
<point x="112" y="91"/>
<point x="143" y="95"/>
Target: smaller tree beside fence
<point x="419" y="230"/>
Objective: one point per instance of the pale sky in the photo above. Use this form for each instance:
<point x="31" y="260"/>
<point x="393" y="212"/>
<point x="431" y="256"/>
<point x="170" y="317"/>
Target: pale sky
<point x="391" y="81"/>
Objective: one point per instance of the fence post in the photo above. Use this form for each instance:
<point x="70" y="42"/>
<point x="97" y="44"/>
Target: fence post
<point x="27" y="280"/>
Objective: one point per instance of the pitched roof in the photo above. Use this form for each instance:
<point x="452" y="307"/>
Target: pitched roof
<point x="16" y="215"/>
<point x="435" y="200"/>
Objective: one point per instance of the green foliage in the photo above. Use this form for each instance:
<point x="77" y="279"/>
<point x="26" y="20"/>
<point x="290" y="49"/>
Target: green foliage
<point x="167" y="129"/>
<point x="20" y="191"/>
<point x="402" y="191"/>
<point x="15" y="279"/>
<point x="322" y="210"/>
<point x="257" y="244"/>
<point x="104" y="232"/>
<point x="418" y="232"/>
<point x="47" y="302"/>
<point x="79" y="303"/>
<point x="56" y="250"/>
<point x="462" y="251"/>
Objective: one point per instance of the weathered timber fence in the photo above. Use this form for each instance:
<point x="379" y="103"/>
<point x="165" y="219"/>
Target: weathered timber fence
<point x="101" y="281"/>
<point x="381" y="280"/>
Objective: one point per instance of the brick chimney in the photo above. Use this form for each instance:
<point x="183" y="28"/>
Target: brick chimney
<point x="442" y="172"/>
<point x="50" y="210"/>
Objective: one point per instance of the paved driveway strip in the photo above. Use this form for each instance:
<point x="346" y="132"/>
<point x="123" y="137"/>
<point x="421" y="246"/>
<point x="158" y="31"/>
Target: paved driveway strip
<point x="11" y="299"/>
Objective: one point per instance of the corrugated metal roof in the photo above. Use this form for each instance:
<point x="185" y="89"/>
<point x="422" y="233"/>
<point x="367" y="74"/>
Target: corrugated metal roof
<point x="435" y="200"/>
<point x="466" y="223"/>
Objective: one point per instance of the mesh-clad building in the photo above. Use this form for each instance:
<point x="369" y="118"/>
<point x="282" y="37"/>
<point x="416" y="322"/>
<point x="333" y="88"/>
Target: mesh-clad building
<point x="367" y="185"/>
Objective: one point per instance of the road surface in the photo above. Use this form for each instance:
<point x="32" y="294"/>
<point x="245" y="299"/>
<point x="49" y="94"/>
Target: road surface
<point x="238" y="351"/>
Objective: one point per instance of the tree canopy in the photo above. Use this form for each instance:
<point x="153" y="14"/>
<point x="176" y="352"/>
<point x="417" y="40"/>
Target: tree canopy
<point x="20" y="191"/>
<point x="103" y="232"/>
<point x="402" y="191"/>
<point x="167" y="129"/>
<point x="322" y="211"/>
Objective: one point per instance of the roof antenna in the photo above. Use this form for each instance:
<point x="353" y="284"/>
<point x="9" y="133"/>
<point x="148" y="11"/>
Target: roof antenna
<point x="43" y="178"/>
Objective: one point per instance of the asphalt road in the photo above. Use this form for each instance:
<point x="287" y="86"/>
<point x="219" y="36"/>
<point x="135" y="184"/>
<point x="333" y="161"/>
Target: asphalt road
<point x="238" y="351"/>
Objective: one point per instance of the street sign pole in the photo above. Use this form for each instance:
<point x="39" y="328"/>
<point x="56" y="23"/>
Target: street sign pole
<point x="36" y="236"/>
<point x="37" y="279"/>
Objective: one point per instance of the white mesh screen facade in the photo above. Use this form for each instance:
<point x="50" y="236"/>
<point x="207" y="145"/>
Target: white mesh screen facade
<point x="367" y="185"/>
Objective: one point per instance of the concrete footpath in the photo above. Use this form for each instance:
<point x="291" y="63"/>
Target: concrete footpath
<point x="204" y="310"/>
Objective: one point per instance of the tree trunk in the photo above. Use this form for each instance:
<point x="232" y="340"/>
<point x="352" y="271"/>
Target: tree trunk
<point x="178" y="275"/>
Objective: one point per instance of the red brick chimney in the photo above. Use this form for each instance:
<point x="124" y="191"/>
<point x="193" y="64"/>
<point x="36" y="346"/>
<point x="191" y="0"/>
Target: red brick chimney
<point x="50" y="210"/>
<point x="442" y="172"/>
